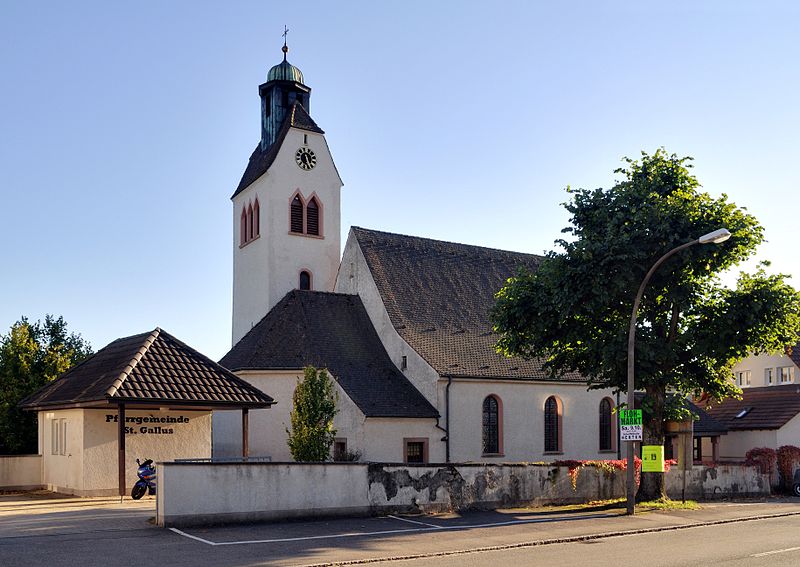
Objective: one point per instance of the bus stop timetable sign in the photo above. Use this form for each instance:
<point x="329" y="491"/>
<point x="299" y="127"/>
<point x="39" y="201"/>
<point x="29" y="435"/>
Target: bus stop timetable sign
<point x="630" y="425"/>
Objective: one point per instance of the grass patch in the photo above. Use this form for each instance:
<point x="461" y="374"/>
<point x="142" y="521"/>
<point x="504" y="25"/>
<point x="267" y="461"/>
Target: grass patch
<point x="667" y="504"/>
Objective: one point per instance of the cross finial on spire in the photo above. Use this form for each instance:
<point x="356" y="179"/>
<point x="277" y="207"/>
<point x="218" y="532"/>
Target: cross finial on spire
<point x="285" y="49"/>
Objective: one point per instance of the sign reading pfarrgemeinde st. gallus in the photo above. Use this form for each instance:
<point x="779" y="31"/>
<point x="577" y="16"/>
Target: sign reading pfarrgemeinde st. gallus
<point x="630" y="425"/>
<point x="153" y="425"/>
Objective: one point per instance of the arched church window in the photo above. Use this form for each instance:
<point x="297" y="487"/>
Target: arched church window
<point x="296" y="215"/>
<point x="305" y="280"/>
<point x="491" y="425"/>
<point x="312" y="217"/>
<point x="552" y="425"/>
<point x="256" y="219"/>
<point x="606" y="425"/>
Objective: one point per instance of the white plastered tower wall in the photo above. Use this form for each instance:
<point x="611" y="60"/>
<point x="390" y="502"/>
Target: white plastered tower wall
<point x="268" y="267"/>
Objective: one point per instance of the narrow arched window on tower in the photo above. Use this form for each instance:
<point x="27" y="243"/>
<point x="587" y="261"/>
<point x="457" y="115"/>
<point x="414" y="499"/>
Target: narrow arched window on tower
<point x="305" y="280"/>
<point x="249" y="223"/>
<point x="243" y="228"/>
<point x="312" y="217"/>
<point x="256" y="219"/>
<point x="296" y="215"/>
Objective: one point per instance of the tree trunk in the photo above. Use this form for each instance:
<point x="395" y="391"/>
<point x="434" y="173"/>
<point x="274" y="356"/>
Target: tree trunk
<point x="652" y="486"/>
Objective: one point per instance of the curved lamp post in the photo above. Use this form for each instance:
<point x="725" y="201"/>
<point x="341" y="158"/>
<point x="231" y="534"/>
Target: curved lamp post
<point x="715" y="237"/>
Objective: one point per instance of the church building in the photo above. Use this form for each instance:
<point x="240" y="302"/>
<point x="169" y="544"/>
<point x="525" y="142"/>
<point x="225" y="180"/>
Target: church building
<point x="400" y="322"/>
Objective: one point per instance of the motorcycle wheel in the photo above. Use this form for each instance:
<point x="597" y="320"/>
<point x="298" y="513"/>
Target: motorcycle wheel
<point x="796" y="489"/>
<point x="138" y="491"/>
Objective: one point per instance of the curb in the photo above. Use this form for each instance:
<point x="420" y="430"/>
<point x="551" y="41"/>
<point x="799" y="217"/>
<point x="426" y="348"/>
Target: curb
<point x="552" y="541"/>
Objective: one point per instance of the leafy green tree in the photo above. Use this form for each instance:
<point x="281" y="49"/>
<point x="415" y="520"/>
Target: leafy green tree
<point x="31" y="355"/>
<point x="314" y="407"/>
<point x="574" y="311"/>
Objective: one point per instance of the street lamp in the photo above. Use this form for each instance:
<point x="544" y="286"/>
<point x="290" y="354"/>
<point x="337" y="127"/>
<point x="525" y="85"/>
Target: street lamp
<point x="720" y="235"/>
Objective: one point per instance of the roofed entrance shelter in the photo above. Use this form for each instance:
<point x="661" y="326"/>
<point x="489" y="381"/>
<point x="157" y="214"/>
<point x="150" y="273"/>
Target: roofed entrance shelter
<point x="150" y="393"/>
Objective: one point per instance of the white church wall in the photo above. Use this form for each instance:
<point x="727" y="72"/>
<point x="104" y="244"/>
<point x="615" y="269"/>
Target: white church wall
<point x="266" y="269"/>
<point x="385" y="438"/>
<point x="355" y="278"/>
<point x="523" y="420"/>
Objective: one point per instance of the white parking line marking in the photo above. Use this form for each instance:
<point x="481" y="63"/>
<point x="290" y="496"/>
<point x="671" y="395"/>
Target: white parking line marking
<point x="403" y="531"/>
<point x="413" y="522"/>
<point x="190" y="536"/>
<point x="776" y="551"/>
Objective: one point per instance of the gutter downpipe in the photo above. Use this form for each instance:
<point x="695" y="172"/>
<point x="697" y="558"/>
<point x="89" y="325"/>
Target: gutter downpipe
<point x="446" y="428"/>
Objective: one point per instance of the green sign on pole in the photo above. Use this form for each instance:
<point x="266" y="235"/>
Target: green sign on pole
<point x="630" y="425"/>
<point x="652" y="458"/>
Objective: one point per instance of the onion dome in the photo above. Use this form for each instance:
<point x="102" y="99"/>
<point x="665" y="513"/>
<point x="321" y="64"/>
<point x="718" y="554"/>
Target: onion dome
<point x="285" y="71"/>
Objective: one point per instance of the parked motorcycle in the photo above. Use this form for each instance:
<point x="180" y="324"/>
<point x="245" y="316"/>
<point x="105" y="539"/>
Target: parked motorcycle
<point x="147" y="479"/>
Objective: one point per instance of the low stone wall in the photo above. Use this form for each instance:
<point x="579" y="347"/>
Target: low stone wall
<point x="20" y="472"/>
<point x="208" y="493"/>
<point x="721" y="481"/>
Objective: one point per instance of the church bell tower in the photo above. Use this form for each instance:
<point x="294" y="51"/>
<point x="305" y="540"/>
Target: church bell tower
<point x="286" y="208"/>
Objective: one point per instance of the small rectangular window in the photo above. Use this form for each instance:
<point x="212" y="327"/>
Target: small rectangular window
<point x="404" y="362"/>
<point x="785" y="375"/>
<point x="54" y="437"/>
<point x="768" y="376"/>
<point x="62" y="448"/>
<point x="416" y="450"/>
<point x="339" y="449"/>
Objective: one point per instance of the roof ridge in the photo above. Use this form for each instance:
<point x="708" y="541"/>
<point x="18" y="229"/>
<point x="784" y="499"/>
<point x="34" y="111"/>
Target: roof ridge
<point x="148" y="342"/>
<point x="450" y="242"/>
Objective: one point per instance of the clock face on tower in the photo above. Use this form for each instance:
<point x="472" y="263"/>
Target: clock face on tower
<point x="305" y="158"/>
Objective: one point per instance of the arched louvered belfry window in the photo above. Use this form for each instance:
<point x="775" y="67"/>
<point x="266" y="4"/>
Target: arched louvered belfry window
<point x="256" y="219"/>
<point x="606" y="424"/>
<point x="312" y="217"/>
<point x="249" y="223"/>
<point x="296" y="215"/>
<point x="552" y="425"/>
<point x="305" y="280"/>
<point x="491" y="426"/>
<point x="243" y="228"/>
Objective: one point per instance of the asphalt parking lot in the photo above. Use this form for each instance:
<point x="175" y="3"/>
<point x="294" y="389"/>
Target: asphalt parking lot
<point x="38" y="529"/>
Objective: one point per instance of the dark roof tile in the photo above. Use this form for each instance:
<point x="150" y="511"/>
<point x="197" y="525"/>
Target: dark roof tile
<point x="333" y="331"/>
<point x="139" y="369"/>
<point x="438" y="296"/>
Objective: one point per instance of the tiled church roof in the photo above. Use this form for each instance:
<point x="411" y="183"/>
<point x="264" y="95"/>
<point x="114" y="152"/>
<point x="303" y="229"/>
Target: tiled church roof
<point x="149" y="367"/>
<point x="260" y="161"/>
<point x="333" y="331"/>
<point x="438" y="296"/>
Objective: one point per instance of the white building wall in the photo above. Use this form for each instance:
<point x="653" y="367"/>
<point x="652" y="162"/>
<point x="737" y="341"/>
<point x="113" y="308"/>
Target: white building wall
<point x="789" y="434"/>
<point x="62" y="471"/>
<point x="734" y="445"/>
<point x="376" y="439"/>
<point x="523" y="420"/>
<point x="89" y="467"/>
<point x="266" y="269"/>
<point x="758" y="365"/>
<point x="355" y="278"/>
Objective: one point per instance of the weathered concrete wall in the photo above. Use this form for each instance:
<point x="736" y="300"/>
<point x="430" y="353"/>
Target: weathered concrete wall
<point x="722" y="481"/>
<point x="207" y="493"/>
<point x="20" y="472"/>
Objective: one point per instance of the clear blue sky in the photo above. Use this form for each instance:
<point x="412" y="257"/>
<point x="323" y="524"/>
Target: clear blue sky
<point x="126" y="128"/>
